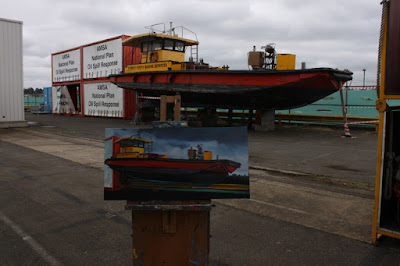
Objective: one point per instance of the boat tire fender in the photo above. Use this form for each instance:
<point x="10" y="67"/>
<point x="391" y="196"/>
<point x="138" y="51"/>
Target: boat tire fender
<point x="153" y="57"/>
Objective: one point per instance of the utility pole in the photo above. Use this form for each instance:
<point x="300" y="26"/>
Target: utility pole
<point x="364" y="77"/>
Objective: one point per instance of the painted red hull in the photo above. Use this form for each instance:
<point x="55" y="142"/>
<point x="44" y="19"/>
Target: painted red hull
<point x="174" y="170"/>
<point x="262" y="89"/>
<point x="189" y="166"/>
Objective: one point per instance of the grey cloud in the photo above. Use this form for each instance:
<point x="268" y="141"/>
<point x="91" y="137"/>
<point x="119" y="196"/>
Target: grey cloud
<point x="339" y="34"/>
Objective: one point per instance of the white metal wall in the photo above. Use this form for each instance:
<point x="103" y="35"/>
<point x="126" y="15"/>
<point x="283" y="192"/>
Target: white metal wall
<point x="11" y="79"/>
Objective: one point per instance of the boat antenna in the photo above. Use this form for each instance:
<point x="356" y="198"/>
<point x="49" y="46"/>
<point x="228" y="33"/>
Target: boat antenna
<point x="171" y="30"/>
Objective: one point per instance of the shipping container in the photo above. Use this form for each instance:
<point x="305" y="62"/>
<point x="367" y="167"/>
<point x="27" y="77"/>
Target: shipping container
<point x="11" y="75"/>
<point x="47" y="99"/>
<point x="80" y="80"/>
<point x="103" y="99"/>
<point x="67" y="80"/>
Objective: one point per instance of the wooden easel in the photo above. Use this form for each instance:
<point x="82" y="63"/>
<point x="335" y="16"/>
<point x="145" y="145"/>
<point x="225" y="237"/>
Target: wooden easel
<point x="170" y="232"/>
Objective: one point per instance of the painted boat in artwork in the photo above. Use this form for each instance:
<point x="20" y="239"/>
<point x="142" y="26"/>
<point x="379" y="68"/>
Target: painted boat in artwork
<point x="135" y="164"/>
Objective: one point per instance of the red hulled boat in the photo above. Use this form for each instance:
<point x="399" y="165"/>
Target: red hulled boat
<point x="256" y="89"/>
<point x="273" y="82"/>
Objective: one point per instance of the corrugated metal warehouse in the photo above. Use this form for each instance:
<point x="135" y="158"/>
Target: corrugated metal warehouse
<point x="79" y="80"/>
<point x="11" y="77"/>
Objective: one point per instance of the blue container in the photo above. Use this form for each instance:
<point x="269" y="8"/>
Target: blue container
<point x="48" y="99"/>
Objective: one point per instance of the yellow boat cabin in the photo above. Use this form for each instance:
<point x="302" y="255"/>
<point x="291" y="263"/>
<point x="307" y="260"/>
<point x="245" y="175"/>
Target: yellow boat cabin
<point x="165" y="51"/>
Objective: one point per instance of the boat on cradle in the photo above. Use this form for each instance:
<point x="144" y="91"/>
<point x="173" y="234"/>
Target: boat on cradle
<point x="273" y="83"/>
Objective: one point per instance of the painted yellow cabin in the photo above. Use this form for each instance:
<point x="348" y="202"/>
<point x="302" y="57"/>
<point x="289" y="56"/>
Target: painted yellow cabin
<point x="131" y="147"/>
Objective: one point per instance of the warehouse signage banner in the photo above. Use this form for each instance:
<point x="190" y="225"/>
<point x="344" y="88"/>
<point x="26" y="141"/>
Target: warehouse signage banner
<point x="62" y="101"/>
<point x="67" y="66"/>
<point x="103" y="99"/>
<point x="102" y="59"/>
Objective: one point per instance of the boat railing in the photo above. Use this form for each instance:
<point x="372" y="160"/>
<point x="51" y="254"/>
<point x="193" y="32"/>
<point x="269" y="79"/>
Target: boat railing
<point x="152" y="28"/>
<point x="173" y="31"/>
<point x="183" y="29"/>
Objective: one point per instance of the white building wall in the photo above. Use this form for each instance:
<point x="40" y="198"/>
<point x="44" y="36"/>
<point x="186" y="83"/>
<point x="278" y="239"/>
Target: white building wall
<point x="11" y="75"/>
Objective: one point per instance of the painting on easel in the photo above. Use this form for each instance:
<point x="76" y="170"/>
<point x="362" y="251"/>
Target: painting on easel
<point x="176" y="164"/>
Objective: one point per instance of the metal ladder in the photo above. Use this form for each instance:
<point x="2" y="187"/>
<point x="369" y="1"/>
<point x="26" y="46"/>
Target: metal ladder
<point x="194" y="53"/>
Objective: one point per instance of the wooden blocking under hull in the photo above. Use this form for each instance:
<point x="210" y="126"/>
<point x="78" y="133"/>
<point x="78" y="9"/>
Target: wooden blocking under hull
<point x="176" y="100"/>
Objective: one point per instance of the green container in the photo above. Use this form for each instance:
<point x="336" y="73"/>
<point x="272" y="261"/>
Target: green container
<point x="33" y="101"/>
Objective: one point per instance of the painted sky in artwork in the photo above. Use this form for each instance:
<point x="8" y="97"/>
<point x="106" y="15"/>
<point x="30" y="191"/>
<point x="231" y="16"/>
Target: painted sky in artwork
<point x="225" y="143"/>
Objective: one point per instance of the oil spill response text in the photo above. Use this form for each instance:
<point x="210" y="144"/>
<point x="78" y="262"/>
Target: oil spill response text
<point x="103" y="104"/>
<point x="104" y="56"/>
<point x="66" y="64"/>
<point x="102" y="64"/>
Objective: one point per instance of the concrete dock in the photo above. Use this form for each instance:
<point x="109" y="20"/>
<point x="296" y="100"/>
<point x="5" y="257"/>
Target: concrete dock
<point x="311" y="199"/>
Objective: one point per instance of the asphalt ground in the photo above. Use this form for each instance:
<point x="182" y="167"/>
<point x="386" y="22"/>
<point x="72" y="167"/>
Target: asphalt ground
<point x="315" y="150"/>
<point x="52" y="209"/>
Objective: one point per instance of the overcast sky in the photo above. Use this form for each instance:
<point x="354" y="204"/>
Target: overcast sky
<point x="339" y="34"/>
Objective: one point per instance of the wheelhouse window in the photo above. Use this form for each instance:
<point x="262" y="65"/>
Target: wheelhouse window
<point x="179" y="46"/>
<point x="136" y="143"/>
<point x="146" y="46"/>
<point x="157" y="45"/>
<point x="168" y="45"/>
<point x="165" y="44"/>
